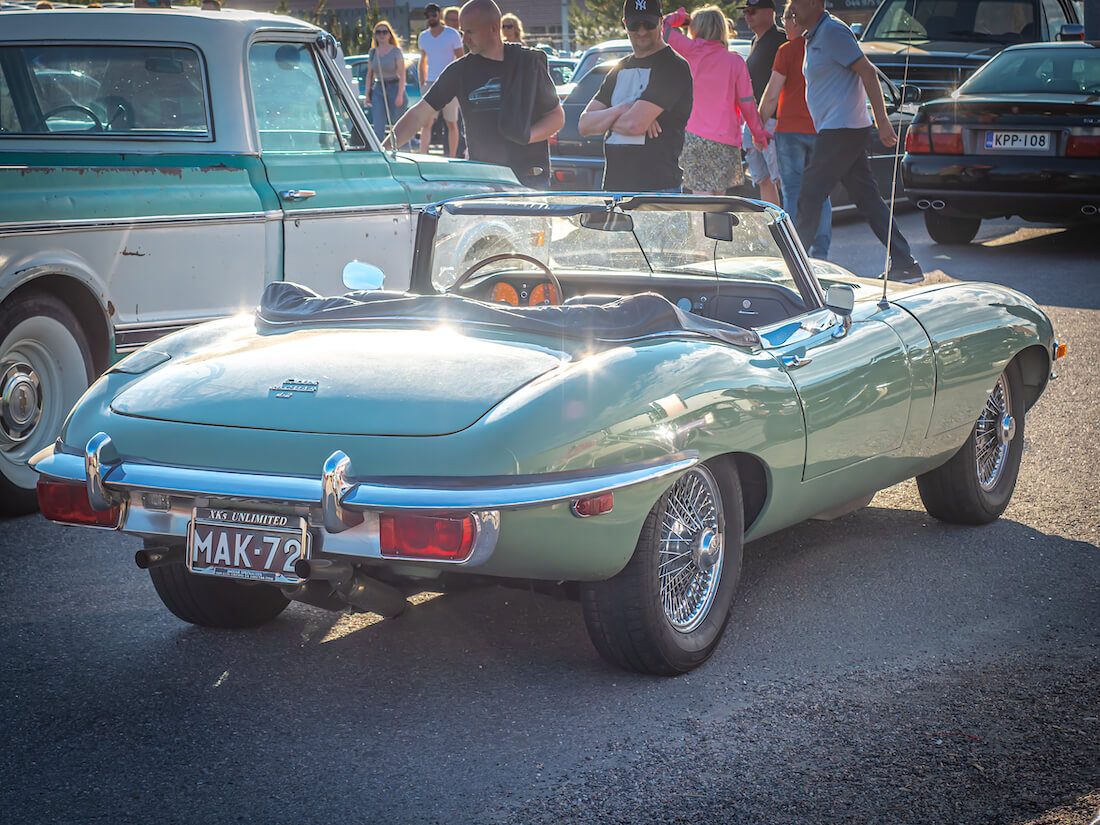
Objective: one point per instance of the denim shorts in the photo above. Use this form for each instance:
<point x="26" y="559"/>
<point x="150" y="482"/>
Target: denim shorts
<point x="761" y="164"/>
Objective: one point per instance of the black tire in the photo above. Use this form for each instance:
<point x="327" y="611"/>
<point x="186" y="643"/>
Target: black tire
<point x="213" y="602"/>
<point x="950" y="230"/>
<point x="954" y="491"/>
<point x="40" y="340"/>
<point x="625" y="617"/>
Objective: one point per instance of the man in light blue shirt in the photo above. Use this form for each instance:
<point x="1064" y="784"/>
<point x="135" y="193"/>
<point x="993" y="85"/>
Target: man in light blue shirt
<point x="839" y="82"/>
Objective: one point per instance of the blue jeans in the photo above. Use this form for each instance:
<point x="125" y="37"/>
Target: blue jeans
<point x="378" y="107"/>
<point x="793" y="150"/>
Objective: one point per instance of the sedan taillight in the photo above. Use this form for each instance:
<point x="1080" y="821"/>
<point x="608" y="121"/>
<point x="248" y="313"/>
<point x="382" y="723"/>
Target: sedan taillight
<point x="917" y="141"/>
<point x="947" y="140"/>
<point x="1083" y="146"/>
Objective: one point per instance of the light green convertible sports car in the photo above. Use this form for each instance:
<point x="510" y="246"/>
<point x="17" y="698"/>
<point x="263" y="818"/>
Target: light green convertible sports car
<point x="607" y="393"/>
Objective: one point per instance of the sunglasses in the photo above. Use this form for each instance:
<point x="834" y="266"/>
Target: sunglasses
<point x="635" y="25"/>
<point x="507" y="25"/>
<point x="381" y="31"/>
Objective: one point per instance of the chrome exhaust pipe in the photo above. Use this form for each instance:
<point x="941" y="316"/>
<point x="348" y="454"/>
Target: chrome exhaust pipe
<point x="1089" y="209"/>
<point x="937" y="204"/>
<point x="353" y="587"/>
<point x="923" y="203"/>
<point x="150" y="557"/>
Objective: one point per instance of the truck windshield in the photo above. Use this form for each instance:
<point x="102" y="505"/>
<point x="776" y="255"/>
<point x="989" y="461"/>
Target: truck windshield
<point x="994" y="21"/>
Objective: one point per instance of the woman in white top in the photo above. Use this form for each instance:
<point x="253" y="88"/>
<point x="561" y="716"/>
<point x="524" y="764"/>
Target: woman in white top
<point x="386" y="78"/>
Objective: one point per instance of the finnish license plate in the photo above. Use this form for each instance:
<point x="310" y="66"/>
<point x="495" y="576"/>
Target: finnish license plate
<point x="1018" y="141"/>
<point x="239" y="544"/>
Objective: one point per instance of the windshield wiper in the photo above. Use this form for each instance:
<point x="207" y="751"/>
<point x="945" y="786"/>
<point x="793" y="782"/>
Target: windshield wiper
<point x="961" y="34"/>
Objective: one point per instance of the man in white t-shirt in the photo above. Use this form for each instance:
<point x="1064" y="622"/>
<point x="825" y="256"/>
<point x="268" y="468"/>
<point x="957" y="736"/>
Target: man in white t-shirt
<point x="439" y="46"/>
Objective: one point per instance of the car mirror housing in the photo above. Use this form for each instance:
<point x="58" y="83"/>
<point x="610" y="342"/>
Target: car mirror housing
<point x="841" y="299"/>
<point x="910" y="93"/>
<point x="363" y="277"/>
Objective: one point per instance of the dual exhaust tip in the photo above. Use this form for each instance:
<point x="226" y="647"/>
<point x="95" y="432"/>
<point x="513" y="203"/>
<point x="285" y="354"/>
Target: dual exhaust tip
<point x="1089" y="210"/>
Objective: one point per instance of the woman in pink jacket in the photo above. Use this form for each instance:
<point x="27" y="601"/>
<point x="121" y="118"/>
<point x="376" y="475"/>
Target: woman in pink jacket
<point x="722" y="90"/>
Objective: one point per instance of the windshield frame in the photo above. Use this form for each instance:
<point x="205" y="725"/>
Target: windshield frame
<point x="530" y="204"/>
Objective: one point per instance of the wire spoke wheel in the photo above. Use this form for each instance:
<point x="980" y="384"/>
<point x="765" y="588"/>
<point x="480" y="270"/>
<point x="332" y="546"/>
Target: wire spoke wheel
<point x="666" y="610"/>
<point x="992" y="435"/>
<point x="688" y="571"/>
<point x="975" y="485"/>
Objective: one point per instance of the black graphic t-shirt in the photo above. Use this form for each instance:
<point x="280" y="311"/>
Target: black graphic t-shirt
<point x="638" y="163"/>
<point x="476" y="82"/>
<point x="761" y="59"/>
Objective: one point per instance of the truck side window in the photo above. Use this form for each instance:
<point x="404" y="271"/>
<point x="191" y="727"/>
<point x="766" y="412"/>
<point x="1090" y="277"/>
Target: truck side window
<point x="344" y="121"/>
<point x="292" y="113"/>
<point x="1056" y="18"/>
<point x="126" y="91"/>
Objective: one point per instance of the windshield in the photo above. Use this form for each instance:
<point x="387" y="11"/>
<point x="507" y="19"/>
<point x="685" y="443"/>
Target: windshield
<point x="1038" y="71"/>
<point x="567" y="237"/>
<point x="993" y="21"/>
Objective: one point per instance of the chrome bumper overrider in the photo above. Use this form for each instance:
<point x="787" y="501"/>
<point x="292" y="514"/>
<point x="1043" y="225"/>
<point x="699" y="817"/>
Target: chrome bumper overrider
<point x="157" y="499"/>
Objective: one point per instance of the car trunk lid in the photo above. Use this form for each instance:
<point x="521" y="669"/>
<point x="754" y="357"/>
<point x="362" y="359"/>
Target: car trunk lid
<point x="341" y="381"/>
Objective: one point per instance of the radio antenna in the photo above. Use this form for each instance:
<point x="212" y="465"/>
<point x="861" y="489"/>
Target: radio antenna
<point x="883" y="302"/>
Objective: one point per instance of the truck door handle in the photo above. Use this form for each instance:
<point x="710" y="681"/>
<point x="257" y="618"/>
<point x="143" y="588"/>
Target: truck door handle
<point x="795" y="361"/>
<point x="296" y="194"/>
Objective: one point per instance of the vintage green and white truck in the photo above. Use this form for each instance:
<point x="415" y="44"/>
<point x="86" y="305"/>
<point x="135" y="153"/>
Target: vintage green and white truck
<point x="158" y="168"/>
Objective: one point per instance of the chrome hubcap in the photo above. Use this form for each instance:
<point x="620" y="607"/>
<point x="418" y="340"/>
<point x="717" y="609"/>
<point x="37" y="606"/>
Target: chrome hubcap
<point x="20" y="402"/>
<point x="690" y="544"/>
<point x="994" y="432"/>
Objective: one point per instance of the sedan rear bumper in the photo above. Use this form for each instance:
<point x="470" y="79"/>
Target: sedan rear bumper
<point x="1035" y="188"/>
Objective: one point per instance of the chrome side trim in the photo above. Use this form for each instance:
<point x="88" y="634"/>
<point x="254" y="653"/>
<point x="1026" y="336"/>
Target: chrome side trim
<point x="94" y="224"/>
<point x="346" y="211"/>
<point x="130" y="337"/>
<point x="452" y="493"/>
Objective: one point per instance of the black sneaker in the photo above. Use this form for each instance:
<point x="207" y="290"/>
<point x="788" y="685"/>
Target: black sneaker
<point x="904" y="273"/>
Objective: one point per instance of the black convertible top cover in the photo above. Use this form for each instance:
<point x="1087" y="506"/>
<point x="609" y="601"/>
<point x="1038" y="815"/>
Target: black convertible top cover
<point x="634" y="316"/>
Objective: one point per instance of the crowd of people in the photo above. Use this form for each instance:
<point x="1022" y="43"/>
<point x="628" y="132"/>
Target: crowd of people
<point x="681" y="113"/>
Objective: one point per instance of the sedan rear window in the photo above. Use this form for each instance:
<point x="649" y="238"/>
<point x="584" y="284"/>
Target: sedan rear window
<point x="123" y="91"/>
<point x="994" y="21"/>
<point x="1044" y="70"/>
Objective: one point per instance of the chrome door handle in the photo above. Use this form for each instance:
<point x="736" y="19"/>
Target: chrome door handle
<point x="296" y="194"/>
<point x="792" y="362"/>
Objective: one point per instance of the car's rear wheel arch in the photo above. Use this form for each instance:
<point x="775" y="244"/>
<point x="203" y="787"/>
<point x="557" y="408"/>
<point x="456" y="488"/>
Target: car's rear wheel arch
<point x="753" y="474"/>
<point x="1034" y="364"/>
<point x="82" y="302"/>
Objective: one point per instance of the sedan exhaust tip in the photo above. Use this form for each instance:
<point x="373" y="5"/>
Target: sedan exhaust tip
<point x="1089" y="210"/>
<point x="150" y="557"/>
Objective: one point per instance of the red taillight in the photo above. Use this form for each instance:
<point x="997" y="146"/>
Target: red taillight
<point x="594" y="505"/>
<point x="67" y="502"/>
<point x="1083" y="146"/>
<point x="426" y="537"/>
<point x="947" y="143"/>
<point x="917" y="142"/>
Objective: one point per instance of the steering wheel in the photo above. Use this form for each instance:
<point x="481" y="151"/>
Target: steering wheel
<point x="519" y="256"/>
<point x="84" y="110"/>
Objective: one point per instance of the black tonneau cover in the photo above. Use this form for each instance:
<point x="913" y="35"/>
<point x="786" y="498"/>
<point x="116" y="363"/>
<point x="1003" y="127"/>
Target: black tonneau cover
<point x="635" y="316"/>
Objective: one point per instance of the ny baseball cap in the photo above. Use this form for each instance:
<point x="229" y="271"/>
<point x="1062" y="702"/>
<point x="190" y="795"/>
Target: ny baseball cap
<point x="759" y="4"/>
<point x="642" y="9"/>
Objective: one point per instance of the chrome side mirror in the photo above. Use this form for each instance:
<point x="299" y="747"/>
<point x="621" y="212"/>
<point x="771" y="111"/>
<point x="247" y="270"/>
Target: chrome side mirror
<point x="909" y="93"/>
<point x="857" y="30"/>
<point x="363" y="277"/>
<point x="841" y="299"/>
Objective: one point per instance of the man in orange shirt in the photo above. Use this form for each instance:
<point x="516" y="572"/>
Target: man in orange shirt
<point x="794" y="133"/>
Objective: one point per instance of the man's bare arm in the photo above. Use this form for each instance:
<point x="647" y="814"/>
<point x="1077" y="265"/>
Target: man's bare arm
<point x="410" y="124"/>
<point x="422" y="68"/>
<point x="548" y="124"/>
<point x="769" y="103"/>
<point x="597" y="118"/>
<point x="637" y="119"/>
<point x="866" y="71"/>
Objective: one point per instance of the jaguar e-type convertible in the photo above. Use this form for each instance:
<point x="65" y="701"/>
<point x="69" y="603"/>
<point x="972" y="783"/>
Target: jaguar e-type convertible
<point x="607" y="394"/>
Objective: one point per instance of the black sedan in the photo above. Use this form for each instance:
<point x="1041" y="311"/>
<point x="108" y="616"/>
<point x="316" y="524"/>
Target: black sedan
<point x="576" y="162"/>
<point x="1019" y="138"/>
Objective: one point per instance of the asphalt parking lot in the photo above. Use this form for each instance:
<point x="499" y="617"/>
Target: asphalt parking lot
<point x="882" y="667"/>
